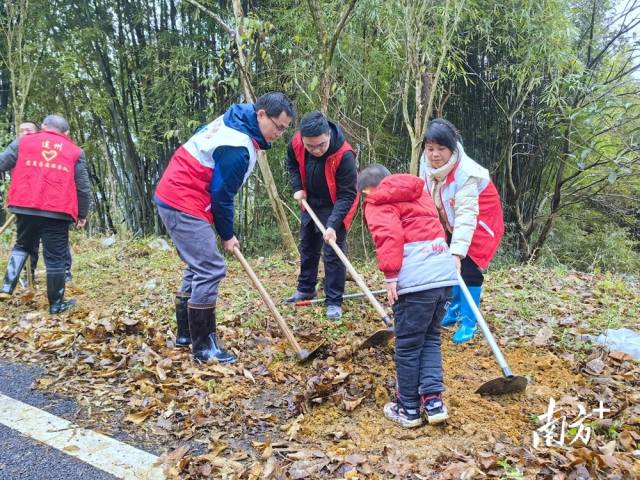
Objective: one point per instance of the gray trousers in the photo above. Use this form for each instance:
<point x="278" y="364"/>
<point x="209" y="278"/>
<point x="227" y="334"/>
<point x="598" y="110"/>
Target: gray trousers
<point x="197" y="246"/>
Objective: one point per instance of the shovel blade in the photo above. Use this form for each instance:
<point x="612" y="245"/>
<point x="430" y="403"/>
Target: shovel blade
<point x="503" y="386"/>
<point x="305" y="355"/>
<point x="381" y="337"/>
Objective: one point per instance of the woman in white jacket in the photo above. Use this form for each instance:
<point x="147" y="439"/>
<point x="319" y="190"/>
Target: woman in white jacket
<point x="470" y="211"/>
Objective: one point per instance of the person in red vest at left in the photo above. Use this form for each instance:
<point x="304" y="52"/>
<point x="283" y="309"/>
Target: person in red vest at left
<point x="196" y="191"/>
<point x="322" y="168"/>
<point x="49" y="190"/>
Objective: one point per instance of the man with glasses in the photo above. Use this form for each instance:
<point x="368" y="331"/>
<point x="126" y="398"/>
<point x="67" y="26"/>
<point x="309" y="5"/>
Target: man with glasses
<point x="197" y="189"/>
<point x="322" y="166"/>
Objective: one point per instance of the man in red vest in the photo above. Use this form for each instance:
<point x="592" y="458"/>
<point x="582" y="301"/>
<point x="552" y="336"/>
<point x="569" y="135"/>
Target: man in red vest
<point x="196" y="191"/>
<point x="323" y="171"/>
<point x="23" y="129"/>
<point x="49" y="190"/>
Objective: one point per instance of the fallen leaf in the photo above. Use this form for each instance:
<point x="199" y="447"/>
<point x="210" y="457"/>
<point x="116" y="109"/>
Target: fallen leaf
<point x="543" y="336"/>
<point x="568" y="320"/>
<point x="350" y="405"/>
<point x="169" y="459"/>
<point x="139" y="417"/>
<point x="594" y="367"/>
<point x="248" y="375"/>
<point x="269" y="468"/>
<point x="608" y="448"/>
<point x="626" y="440"/>
<point x="461" y="471"/>
<point x="307" y="468"/>
<point x="620" y="356"/>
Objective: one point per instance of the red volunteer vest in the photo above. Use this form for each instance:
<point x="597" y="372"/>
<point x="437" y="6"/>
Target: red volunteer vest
<point x="490" y="227"/>
<point x="44" y="175"/>
<point x="331" y="166"/>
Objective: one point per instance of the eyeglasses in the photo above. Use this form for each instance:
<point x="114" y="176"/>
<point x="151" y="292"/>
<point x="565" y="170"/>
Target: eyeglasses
<point x="317" y="147"/>
<point x="279" y="128"/>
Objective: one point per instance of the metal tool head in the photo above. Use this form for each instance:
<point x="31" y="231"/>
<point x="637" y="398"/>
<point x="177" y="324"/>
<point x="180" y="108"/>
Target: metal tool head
<point x="503" y="386"/>
<point x="305" y="355"/>
<point x="381" y="337"/>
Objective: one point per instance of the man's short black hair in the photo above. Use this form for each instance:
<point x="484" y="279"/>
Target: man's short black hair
<point x="442" y="132"/>
<point x="371" y="176"/>
<point x="274" y="103"/>
<point x="32" y="123"/>
<point x="314" y="124"/>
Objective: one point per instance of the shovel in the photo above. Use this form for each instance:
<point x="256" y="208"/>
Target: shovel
<point x="508" y="383"/>
<point x="305" y="303"/>
<point x="301" y="353"/>
<point x="8" y="223"/>
<point x="380" y="337"/>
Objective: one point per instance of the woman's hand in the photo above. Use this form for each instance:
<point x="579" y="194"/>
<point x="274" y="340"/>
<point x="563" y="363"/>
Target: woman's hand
<point x="458" y="261"/>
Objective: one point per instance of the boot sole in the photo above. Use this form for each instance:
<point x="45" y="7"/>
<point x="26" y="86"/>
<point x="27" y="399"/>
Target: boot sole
<point x="66" y="309"/>
<point x="406" y="423"/>
<point x="222" y="362"/>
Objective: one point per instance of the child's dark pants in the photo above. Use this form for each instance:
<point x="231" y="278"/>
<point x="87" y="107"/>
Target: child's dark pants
<point x="418" y="355"/>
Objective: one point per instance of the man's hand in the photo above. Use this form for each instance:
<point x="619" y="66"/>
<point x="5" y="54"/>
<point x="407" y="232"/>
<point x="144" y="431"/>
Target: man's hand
<point x="230" y="244"/>
<point x="392" y="292"/>
<point x="300" y="195"/>
<point x="81" y="222"/>
<point x="330" y="235"/>
<point x="457" y="260"/>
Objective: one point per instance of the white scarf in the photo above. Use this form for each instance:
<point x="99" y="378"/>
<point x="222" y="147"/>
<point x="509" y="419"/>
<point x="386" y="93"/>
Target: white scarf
<point x="438" y="176"/>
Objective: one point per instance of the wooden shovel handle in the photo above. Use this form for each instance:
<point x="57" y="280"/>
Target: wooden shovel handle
<point x="356" y="276"/>
<point x="267" y="299"/>
<point x="6" y="225"/>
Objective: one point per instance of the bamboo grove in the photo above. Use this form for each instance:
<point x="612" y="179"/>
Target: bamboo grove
<point x="544" y="92"/>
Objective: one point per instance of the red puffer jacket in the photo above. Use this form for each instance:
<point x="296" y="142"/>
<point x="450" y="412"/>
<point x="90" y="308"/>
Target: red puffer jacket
<point x="410" y="241"/>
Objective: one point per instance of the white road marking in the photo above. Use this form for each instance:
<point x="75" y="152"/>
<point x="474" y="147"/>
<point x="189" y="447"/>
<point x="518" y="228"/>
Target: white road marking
<point x="107" y="454"/>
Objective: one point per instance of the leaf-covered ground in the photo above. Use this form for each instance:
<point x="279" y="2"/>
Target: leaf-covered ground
<point x="267" y="416"/>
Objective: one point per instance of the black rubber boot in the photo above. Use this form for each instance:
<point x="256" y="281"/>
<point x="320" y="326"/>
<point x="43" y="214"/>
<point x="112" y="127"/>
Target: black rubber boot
<point x="12" y="275"/>
<point x="205" y="346"/>
<point x="55" y="292"/>
<point x="183" y="337"/>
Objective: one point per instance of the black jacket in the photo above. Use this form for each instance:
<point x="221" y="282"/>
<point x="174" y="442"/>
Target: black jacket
<point x="316" y="182"/>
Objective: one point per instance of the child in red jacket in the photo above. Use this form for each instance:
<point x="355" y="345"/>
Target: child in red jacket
<point x="419" y="271"/>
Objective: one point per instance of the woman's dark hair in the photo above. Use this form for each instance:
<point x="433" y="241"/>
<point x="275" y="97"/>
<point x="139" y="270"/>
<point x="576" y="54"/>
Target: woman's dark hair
<point x="314" y="124"/>
<point x="274" y="103"/>
<point x="442" y="132"/>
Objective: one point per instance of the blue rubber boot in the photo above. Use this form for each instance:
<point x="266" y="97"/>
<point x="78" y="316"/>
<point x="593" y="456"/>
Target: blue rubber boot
<point x="451" y="317"/>
<point x="467" y="318"/>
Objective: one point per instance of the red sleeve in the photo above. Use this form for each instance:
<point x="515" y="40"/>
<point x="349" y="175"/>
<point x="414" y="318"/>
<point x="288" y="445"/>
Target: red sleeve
<point x="386" y="230"/>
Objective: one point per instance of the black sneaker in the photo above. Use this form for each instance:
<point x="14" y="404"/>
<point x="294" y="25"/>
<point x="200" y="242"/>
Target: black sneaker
<point x="408" y="418"/>
<point x="434" y="408"/>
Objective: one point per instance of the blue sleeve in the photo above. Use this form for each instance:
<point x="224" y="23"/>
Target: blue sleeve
<point x="231" y="164"/>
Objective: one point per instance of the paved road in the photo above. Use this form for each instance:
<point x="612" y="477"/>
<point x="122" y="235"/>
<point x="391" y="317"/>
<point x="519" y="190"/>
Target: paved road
<point x="25" y="459"/>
